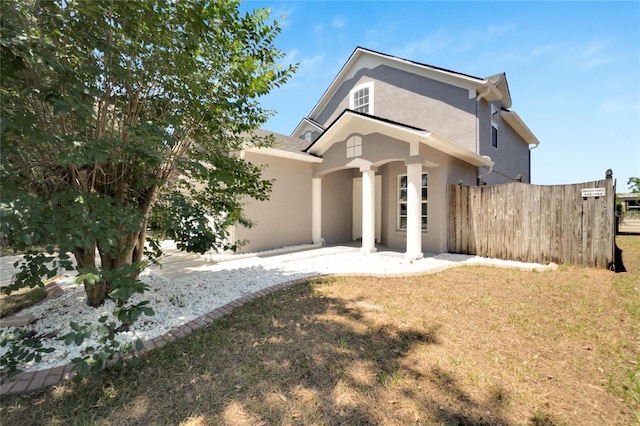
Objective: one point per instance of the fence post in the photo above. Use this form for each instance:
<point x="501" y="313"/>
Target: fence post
<point x="612" y="228"/>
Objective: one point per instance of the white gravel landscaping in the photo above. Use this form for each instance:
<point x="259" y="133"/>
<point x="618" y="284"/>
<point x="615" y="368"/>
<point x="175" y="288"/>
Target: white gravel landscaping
<point x="217" y="282"/>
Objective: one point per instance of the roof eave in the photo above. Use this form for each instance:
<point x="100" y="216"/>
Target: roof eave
<point x="443" y="144"/>
<point x="274" y="152"/>
<point x="516" y="123"/>
<point x="301" y="124"/>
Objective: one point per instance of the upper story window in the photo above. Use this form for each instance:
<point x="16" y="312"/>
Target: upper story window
<point x="494" y="126"/>
<point x="402" y="201"/>
<point x="361" y="98"/>
<point x="307" y="136"/>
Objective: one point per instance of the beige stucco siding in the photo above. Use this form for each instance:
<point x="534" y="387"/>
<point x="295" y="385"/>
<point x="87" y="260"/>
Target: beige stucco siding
<point x="285" y="219"/>
<point x="413" y="100"/>
<point x="337" y="206"/>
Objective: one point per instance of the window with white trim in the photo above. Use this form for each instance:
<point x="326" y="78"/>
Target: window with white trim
<point x="402" y="201"/>
<point x="354" y="146"/>
<point x="361" y="98"/>
<point x="494" y="126"/>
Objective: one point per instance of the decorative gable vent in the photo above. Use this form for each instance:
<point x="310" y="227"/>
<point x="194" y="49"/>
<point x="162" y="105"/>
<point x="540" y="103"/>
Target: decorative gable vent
<point x="354" y="146"/>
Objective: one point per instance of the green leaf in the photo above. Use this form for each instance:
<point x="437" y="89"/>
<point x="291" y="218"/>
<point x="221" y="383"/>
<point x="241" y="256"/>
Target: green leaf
<point x="78" y="339"/>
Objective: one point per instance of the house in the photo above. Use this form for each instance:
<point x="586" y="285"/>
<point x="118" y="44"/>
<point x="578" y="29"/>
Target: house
<point x="373" y="159"/>
<point x="629" y="201"/>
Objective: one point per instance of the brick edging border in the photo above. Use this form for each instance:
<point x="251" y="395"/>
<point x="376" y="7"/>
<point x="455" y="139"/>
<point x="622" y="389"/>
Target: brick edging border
<point x="31" y="381"/>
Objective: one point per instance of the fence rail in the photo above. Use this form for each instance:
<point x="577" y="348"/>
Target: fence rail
<point x="531" y="223"/>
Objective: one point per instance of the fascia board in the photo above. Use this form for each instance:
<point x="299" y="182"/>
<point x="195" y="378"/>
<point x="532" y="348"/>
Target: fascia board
<point x="302" y="125"/>
<point x="516" y="123"/>
<point x="273" y="152"/>
<point x="503" y="87"/>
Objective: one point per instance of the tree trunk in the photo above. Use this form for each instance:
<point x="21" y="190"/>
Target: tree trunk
<point x="138" y="250"/>
<point x="124" y="255"/>
<point x="86" y="258"/>
<point x="96" y="293"/>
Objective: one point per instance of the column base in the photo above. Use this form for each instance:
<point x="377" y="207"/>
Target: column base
<point x="413" y="256"/>
<point x="365" y="250"/>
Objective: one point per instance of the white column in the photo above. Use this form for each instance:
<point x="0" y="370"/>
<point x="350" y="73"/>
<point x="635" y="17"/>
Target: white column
<point x="316" y="210"/>
<point x="414" y="211"/>
<point x="368" y="211"/>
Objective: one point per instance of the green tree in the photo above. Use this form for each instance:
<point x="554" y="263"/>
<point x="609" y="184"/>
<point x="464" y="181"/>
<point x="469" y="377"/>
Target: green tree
<point x="634" y="184"/>
<point x="111" y="109"/>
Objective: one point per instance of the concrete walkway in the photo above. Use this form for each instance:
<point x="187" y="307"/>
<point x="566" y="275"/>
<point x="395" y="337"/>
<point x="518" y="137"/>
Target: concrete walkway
<point x="173" y="263"/>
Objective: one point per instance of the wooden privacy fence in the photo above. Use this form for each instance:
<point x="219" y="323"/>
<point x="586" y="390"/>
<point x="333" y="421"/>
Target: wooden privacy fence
<point x="530" y="223"/>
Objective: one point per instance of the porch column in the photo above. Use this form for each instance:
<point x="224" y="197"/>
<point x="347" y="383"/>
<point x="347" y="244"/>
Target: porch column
<point x="368" y="211"/>
<point x="316" y="210"/>
<point x="414" y="211"/>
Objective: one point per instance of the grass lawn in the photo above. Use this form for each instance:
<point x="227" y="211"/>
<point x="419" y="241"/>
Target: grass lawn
<point x="470" y="346"/>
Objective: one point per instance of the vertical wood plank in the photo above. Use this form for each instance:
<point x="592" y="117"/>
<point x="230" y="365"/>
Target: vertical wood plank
<point x="533" y="223"/>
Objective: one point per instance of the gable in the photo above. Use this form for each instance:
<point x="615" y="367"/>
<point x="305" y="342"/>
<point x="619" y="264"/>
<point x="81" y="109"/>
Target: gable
<point x="352" y="123"/>
<point x="369" y="59"/>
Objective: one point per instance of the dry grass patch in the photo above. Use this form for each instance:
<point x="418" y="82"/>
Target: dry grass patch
<point x="21" y="299"/>
<point x="474" y="345"/>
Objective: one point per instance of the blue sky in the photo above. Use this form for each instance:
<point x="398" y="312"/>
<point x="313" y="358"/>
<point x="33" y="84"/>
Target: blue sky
<point x="573" y="67"/>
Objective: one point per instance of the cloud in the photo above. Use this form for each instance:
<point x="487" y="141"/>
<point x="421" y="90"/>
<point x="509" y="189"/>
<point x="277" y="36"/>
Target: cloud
<point x="311" y="66"/>
<point x="339" y="22"/>
<point x="594" y="54"/>
<point x="494" y="31"/>
<point x="620" y="106"/>
<point x="425" y="46"/>
<point x="283" y="16"/>
<point x="292" y="55"/>
<point x="545" y="49"/>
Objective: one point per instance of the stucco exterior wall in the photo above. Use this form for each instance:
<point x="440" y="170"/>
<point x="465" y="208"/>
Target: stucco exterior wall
<point x="414" y="100"/>
<point x="512" y="155"/>
<point x="389" y="156"/>
<point x="285" y="219"/>
<point x="449" y="171"/>
<point x="337" y="206"/>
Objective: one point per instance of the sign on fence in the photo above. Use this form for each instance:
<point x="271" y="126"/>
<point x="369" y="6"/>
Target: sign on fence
<point x="593" y="192"/>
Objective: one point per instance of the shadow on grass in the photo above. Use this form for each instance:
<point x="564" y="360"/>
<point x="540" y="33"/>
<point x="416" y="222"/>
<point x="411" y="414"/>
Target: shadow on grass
<point x="294" y="357"/>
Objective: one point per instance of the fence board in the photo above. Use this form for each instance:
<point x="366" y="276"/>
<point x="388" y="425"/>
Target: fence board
<point x="533" y="223"/>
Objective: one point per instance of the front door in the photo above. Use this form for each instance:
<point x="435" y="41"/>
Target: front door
<point x="357" y="209"/>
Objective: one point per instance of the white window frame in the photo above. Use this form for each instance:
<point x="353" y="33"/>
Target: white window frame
<point x="424" y="195"/>
<point x="352" y="94"/>
<point x="494" y="125"/>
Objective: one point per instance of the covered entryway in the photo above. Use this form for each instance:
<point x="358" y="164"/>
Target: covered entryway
<point x="357" y="150"/>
